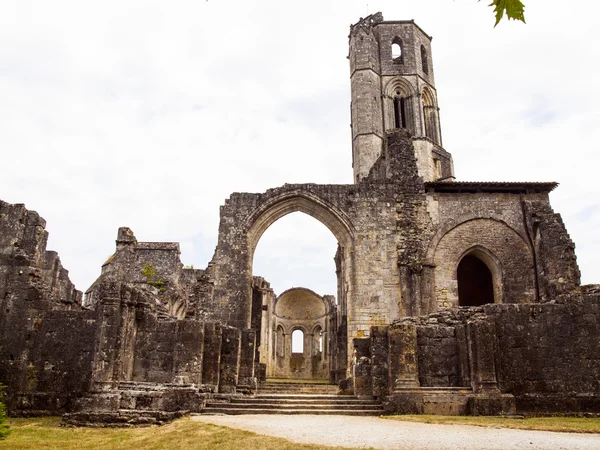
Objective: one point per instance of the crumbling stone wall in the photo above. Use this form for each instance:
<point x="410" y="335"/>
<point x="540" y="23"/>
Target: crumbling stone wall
<point x="549" y="356"/>
<point x="45" y="334"/>
<point x="545" y="355"/>
<point x="554" y="251"/>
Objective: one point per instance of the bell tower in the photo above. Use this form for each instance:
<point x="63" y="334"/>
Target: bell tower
<point x="392" y="87"/>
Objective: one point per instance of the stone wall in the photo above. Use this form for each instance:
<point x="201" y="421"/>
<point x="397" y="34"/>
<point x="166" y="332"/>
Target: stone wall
<point x="544" y="355"/>
<point x="549" y="356"/>
<point x="45" y="334"/>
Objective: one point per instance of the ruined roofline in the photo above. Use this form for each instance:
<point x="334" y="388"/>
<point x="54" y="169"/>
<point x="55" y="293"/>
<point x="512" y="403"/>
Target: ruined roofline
<point x="492" y="186"/>
<point x="411" y="21"/>
<point x="375" y="19"/>
<point x="158" y="246"/>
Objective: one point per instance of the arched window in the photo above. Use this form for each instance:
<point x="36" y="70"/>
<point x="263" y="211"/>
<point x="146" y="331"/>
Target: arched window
<point x="430" y="115"/>
<point x="297" y="341"/>
<point x="475" y="282"/>
<point x="397" y="50"/>
<point x="400" y="111"/>
<point x="424" y="62"/>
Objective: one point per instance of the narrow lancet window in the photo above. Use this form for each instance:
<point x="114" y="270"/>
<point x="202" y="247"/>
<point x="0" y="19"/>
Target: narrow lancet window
<point x="424" y="62"/>
<point x="400" y="110"/>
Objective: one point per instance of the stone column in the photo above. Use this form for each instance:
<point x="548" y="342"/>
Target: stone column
<point x="403" y="357"/>
<point x="363" y="383"/>
<point x="380" y="369"/>
<point x="230" y="360"/>
<point x="188" y="355"/>
<point x="107" y="336"/>
<point x="487" y="399"/>
<point x="246" y="379"/>
<point x="211" y="356"/>
<point x="482" y="356"/>
<point x="464" y="369"/>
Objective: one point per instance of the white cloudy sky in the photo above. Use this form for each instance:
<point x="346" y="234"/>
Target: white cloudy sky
<point x="148" y="114"/>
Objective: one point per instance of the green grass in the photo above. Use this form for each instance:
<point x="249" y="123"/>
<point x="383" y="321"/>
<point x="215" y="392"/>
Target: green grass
<point x="45" y="433"/>
<point x="568" y="424"/>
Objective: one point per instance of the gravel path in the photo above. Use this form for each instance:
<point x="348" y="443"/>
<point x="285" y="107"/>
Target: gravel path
<point x="365" y="432"/>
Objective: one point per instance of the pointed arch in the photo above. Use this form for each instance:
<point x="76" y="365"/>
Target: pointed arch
<point x="269" y="212"/>
<point x="505" y="252"/>
<point x="479" y="277"/>
<point x="430" y="115"/>
<point x="400" y="100"/>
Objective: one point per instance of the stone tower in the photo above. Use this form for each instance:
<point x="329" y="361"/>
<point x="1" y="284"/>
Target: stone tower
<point x="392" y="87"/>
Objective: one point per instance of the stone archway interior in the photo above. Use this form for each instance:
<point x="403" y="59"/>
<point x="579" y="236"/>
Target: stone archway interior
<point x="475" y="283"/>
<point x="303" y="320"/>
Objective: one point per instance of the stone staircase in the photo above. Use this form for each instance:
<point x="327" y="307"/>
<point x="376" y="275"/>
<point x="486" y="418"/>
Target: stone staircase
<point x="296" y="398"/>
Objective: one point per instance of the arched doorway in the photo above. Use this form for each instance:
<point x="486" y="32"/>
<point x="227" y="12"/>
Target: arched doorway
<point x="475" y="282"/>
<point x="336" y="222"/>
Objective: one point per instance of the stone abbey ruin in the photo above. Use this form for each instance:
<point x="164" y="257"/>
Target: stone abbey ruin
<point x="453" y="297"/>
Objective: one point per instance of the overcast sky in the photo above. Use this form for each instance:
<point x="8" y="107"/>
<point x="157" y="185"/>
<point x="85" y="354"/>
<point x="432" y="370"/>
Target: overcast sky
<point x="148" y="114"/>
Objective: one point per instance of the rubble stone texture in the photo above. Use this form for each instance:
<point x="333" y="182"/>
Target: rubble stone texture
<point x="410" y="326"/>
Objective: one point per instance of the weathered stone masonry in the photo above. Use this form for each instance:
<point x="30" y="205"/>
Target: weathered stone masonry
<point x="453" y="297"/>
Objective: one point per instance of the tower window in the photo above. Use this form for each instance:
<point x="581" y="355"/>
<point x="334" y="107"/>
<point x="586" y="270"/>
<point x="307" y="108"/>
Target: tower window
<point x="400" y="105"/>
<point x="424" y="62"/>
<point x="397" y="50"/>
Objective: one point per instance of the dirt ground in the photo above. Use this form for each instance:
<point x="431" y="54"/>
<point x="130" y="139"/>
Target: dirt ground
<point x="373" y="432"/>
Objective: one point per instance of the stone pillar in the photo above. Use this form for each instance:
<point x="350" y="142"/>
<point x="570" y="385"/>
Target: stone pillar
<point x="487" y="399"/>
<point x="211" y="356"/>
<point x="464" y="368"/>
<point x="403" y="357"/>
<point x="125" y="343"/>
<point x="363" y="383"/>
<point x="482" y="356"/>
<point x="188" y="355"/>
<point x="106" y="349"/>
<point x="230" y="360"/>
<point x="380" y="369"/>
<point x="428" y="302"/>
<point x="410" y="289"/>
<point x="246" y="379"/>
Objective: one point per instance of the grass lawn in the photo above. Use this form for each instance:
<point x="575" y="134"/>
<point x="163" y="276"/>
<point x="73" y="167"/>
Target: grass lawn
<point x="45" y="432"/>
<point x="569" y="424"/>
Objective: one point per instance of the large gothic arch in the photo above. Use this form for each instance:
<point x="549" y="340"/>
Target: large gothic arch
<point x="244" y="219"/>
<point x="267" y="213"/>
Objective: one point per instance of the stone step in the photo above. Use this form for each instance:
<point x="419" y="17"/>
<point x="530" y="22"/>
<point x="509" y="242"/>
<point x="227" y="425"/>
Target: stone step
<point x="292" y="411"/>
<point x="298" y="389"/>
<point x="280" y="406"/>
<point x="284" y="396"/>
<point x="324" y="389"/>
<point x="259" y="400"/>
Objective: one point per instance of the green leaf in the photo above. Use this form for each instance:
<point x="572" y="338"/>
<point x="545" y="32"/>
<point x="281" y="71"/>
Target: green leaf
<point x="514" y="9"/>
